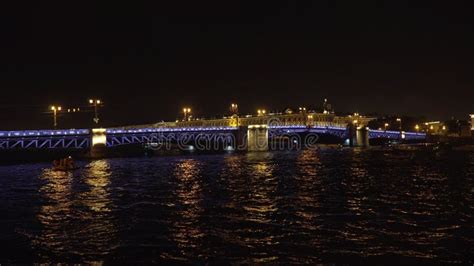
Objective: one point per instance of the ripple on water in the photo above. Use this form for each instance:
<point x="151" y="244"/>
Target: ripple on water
<point x="311" y="206"/>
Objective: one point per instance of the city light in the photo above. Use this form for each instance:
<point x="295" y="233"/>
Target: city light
<point x="187" y="112"/>
<point x="96" y="103"/>
<point x="261" y="112"/>
<point x="55" y="109"/>
<point x="234" y="108"/>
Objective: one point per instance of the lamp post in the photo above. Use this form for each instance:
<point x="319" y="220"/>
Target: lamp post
<point x="96" y="103"/>
<point x="417" y="128"/>
<point x="234" y="108"/>
<point x="55" y="109"/>
<point x="385" y="126"/>
<point x="186" y="112"/>
<point x="261" y="112"/>
<point x="399" y="120"/>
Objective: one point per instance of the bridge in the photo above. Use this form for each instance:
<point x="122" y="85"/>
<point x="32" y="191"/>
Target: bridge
<point x="246" y="132"/>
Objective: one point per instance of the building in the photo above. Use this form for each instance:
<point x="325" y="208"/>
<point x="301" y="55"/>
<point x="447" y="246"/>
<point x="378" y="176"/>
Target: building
<point x="435" y="128"/>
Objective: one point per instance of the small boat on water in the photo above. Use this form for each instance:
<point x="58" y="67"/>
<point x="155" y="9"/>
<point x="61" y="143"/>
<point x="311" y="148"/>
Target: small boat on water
<point x="64" y="165"/>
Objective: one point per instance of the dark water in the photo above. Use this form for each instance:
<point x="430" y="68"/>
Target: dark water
<point x="326" y="205"/>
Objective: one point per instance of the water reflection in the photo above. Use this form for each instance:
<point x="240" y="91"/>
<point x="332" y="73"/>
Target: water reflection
<point x="185" y="229"/>
<point x="259" y="208"/>
<point x="97" y="177"/>
<point x="99" y="231"/>
<point x="65" y="193"/>
<point x="306" y="207"/>
<point x="306" y="184"/>
<point x="54" y="214"/>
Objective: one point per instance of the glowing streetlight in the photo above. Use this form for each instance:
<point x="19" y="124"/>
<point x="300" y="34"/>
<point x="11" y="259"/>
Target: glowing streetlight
<point x="96" y="103"/>
<point x="261" y="112"/>
<point x="73" y="110"/>
<point x="385" y="126"/>
<point x="417" y="128"/>
<point x="186" y="112"/>
<point x="55" y="109"/>
<point x="234" y="108"/>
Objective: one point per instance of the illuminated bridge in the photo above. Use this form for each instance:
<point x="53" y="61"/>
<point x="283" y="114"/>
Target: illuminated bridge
<point x="250" y="132"/>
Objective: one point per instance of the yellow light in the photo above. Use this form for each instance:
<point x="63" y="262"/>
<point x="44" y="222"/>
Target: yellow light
<point x="444" y="127"/>
<point x="59" y="108"/>
<point x="98" y="136"/>
<point x="68" y="110"/>
<point x="417" y="127"/>
<point x="355" y="121"/>
<point x="53" y="108"/>
<point x="386" y="125"/>
<point x="184" y="110"/>
<point x="91" y="101"/>
<point x="399" y="119"/>
<point x="263" y="111"/>
<point x="97" y="101"/>
<point x="431" y="127"/>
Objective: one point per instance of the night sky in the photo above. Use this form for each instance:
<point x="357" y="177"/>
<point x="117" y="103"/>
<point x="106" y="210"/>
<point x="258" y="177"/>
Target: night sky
<point x="148" y="61"/>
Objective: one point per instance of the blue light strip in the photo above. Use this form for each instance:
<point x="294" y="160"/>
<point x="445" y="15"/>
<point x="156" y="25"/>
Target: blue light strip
<point x="398" y="132"/>
<point x="43" y="133"/>
<point x="157" y="130"/>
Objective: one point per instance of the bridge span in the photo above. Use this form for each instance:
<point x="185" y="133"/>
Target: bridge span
<point x="250" y="132"/>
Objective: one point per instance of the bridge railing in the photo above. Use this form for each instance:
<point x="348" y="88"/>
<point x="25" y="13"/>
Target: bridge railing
<point x="44" y="133"/>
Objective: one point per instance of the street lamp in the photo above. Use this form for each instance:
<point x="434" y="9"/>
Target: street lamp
<point x="96" y="103"/>
<point x="55" y="109"/>
<point x="261" y="112"/>
<point x="186" y="112"/>
<point x="73" y="110"/>
<point x="385" y="126"/>
<point x="399" y="120"/>
<point x="234" y="108"/>
<point x="417" y="128"/>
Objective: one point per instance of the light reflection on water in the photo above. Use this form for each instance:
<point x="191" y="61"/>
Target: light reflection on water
<point x="185" y="231"/>
<point x="321" y="205"/>
<point x="76" y="222"/>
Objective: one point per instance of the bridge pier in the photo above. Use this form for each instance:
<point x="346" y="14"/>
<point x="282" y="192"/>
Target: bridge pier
<point x="362" y="137"/>
<point x="257" y="138"/>
<point x="358" y="136"/>
<point x="98" y="143"/>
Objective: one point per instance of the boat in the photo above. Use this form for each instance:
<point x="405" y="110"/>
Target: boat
<point x="64" y="165"/>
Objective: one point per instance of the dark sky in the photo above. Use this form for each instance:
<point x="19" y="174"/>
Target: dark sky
<point x="147" y="61"/>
